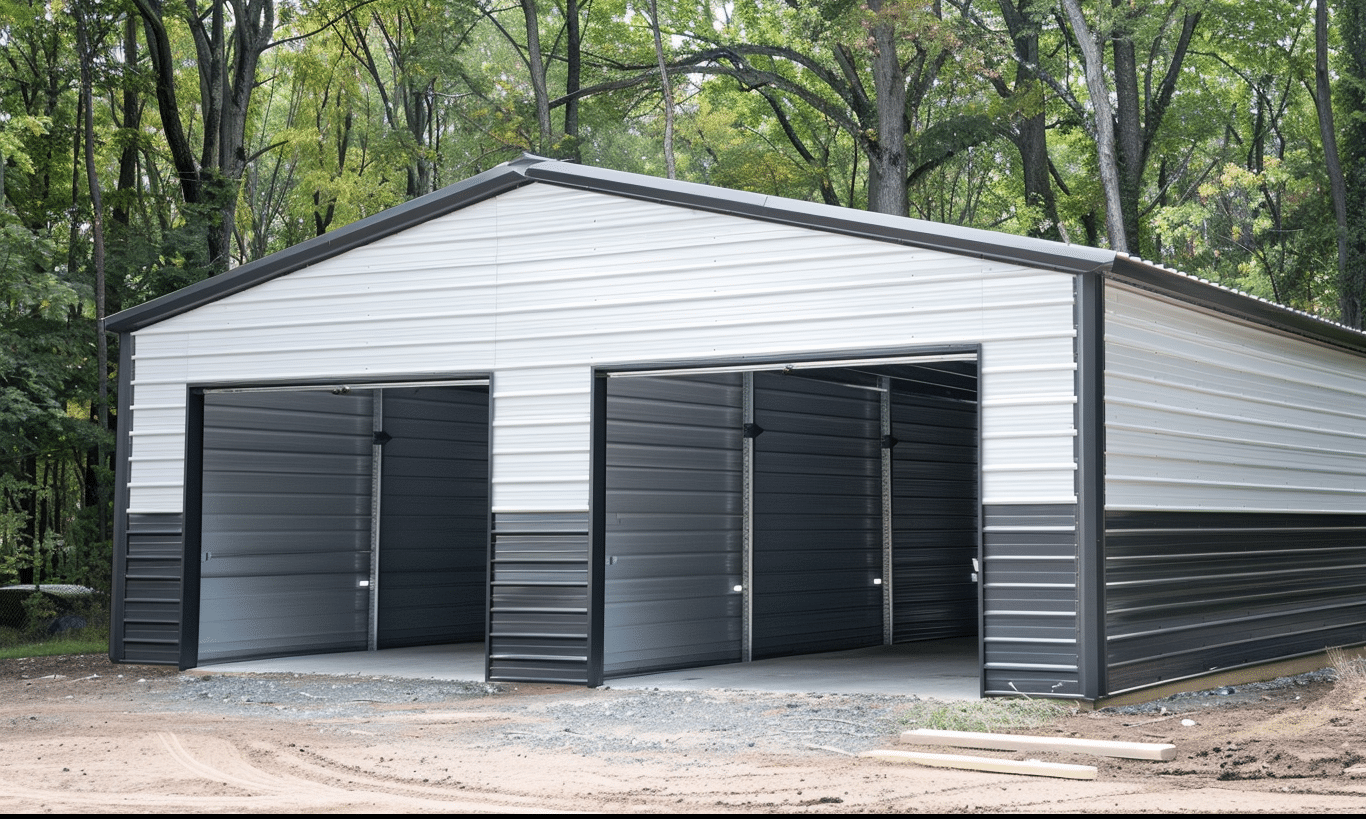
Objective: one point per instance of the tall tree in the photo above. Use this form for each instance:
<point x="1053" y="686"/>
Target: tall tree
<point x="229" y="37"/>
<point x="1352" y="99"/>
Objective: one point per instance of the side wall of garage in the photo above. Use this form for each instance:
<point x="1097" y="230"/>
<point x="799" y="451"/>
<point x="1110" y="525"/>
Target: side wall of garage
<point x="1235" y="486"/>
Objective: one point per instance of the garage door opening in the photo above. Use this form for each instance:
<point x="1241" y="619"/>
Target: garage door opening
<point x="342" y="519"/>
<point x="764" y="514"/>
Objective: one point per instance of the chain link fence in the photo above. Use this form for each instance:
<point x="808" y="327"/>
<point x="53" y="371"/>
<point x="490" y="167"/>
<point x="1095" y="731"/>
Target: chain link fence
<point x="36" y="614"/>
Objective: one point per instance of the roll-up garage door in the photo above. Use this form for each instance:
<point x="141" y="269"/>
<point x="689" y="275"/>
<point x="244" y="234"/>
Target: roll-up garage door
<point x="934" y="516"/>
<point x="433" y="556"/>
<point x="673" y="522"/>
<point x="285" y="547"/>
<point x="817" y="517"/>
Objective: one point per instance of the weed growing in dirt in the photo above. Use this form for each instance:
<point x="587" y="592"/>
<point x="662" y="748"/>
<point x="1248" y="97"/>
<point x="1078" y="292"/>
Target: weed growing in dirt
<point x="984" y="715"/>
<point x="1348" y="666"/>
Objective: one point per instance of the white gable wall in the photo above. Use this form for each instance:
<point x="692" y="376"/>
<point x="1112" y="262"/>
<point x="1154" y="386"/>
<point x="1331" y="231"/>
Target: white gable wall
<point x="542" y="283"/>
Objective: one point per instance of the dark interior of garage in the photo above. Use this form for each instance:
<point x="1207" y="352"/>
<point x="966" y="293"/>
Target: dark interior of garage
<point x="792" y="511"/>
<point x="342" y="518"/>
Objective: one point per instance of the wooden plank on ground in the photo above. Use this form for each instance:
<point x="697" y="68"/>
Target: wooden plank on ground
<point x="1008" y="742"/>
<point x="1031" y="767"/>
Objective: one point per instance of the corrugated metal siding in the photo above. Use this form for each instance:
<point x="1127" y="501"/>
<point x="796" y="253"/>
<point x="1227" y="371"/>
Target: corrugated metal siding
<point x="538" y="598"/>
<point x="543" y="282"/>
<point x="934" y="517"/>
<point x="817" y="517"/>
<point x="434" y="524"/>
<point x="1029" y="600"/>
<point x="151" y="606"/>
<point x="1188" y="592"/>
<point x="1206" y="413"/>
<point x="1235" y="480"/>
<point x="285" y="538"/>
<point x="673" y="522"/>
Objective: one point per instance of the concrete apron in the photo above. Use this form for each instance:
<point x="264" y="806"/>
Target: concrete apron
<point x="937" y="669"/>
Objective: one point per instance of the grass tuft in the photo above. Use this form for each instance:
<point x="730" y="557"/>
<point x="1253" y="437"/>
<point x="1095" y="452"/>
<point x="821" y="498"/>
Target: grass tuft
<point x="984" y="715"/>
<point x="1349" y="666"/>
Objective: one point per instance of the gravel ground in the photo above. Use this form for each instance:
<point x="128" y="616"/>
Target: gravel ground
<point x="1224" y="696"/>
<point x="591" y="723"/>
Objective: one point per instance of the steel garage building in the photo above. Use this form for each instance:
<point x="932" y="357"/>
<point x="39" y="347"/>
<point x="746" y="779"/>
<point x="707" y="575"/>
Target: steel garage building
<point x="609" y="424"/>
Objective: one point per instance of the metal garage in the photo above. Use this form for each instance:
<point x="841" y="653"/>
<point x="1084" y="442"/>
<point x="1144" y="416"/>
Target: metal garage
<point x="610" y="424"/>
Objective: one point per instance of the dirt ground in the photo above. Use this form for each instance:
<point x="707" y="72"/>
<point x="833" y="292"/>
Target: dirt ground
<point x="80" y="734"/>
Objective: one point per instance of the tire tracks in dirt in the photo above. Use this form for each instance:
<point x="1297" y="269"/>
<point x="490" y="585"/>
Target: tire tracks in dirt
<point x="220" y="761"/>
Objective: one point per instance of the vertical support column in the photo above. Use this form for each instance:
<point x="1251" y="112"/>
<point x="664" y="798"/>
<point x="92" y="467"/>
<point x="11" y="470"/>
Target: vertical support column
<point x="597" y="535"/>
<point x="747" y="523"/>
<point x="192" y="561"/>
<point x="887" y="569"/>
<point x="1090" y="352"/>
<point x="376" y="465"/>
<point x="123" y="450"/>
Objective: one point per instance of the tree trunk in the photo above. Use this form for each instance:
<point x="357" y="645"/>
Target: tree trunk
<point x="87" y="58"/>
<point x="1351" y="21"/>
<point x="536" y="65"/>
<point x="887" y="158"/>
<point x="1349" y="303"/>
<point x="227" y="78"/>
<point x="1031" y="132"/>
<point x="1103" y="126"/>
<point x="1128" y="134"/>
<point x="573" y="79"/>
<point x="669" y="167"/>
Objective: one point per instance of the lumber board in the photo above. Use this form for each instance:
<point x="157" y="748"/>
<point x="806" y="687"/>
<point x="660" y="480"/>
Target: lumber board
<point x="1161" y="752"/>
<point x="1028" y="767"/>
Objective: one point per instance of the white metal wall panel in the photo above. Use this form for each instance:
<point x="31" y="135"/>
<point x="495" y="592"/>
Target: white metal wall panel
<point x="1205" y="413"/>
<point x="542" y="282"/>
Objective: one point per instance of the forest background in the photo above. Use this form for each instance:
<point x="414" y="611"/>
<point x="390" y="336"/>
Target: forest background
<point x="148" y="144"/>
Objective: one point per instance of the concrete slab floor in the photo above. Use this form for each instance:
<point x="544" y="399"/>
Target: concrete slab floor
<point x="456" y="661"/>
<point x="938" y="669"/>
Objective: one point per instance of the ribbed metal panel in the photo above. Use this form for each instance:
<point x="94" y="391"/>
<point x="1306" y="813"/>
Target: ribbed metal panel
<point x="673" y="522"/>
<point x="1188" y="592"/>
<point x="434" y="525"/>
<point x="1203" y="413"/>
<point x="935" y="515"/>
<point x="538" y="616"/>
<point x="817" y="517"/>
<point x="285" y="541"/>
<point x="549" y="281"/>
<point x="1029" y="599"/>
<point x="150" y="609"/>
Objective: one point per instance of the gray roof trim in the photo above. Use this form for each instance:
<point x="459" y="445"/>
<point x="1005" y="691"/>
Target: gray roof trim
<point x="1165" y="281"/>
<point x="982" y="244"/>
<point x="453" y="197"/>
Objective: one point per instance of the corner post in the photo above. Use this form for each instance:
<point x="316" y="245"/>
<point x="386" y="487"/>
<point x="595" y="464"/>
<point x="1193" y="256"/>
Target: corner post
<point x="1090" y="415"/>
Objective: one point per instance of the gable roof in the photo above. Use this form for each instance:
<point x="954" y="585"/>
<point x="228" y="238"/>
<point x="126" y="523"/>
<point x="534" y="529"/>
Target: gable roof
<point x="984" y="244"/>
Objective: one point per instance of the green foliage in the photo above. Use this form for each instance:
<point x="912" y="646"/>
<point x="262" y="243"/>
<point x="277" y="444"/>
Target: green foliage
<point x="39" y="610"/>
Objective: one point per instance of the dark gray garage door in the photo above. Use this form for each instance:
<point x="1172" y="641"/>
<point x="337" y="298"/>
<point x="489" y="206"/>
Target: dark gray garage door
<point x="288" y="540"/>
<point x="285" y="546"/>
<point x="817" y="516"/>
